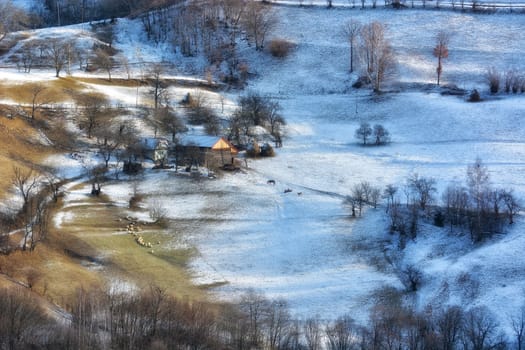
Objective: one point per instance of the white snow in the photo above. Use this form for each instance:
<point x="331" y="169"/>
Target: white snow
<point x="305" y="248"/>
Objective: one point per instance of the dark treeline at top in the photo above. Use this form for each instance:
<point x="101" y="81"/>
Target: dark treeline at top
<point x="65" y="12"/>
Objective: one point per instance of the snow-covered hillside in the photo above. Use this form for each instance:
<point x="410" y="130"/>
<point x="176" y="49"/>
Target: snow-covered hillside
<point x="305" y="248"/>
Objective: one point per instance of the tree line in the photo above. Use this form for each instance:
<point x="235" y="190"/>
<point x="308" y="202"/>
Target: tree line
<point x="477" y="206"/>
<point x="152" y="319"/>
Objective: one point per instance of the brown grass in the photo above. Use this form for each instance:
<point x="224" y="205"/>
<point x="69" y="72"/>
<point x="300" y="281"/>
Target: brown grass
<point x="17" y="150"/>
<point x="91" y="249"/>
<point x="97" y="231"/>
<point x="56" y="90"/>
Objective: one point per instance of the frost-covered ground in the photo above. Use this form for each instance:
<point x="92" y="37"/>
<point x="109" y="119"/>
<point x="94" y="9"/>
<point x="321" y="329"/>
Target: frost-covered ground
<point x="305" y="248"/>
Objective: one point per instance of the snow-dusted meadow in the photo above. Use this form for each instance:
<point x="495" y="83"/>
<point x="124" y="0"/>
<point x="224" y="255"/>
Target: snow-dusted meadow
<point x="305" y="248"/>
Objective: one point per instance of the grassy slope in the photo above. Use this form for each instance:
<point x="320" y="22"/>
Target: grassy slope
<point x="92" y="249"/>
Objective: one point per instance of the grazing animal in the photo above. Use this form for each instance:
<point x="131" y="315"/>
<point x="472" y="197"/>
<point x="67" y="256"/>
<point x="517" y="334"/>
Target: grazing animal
<point x="287" y="190"/>
<point x="270" y="182"/>
<point x="299" y="193"/>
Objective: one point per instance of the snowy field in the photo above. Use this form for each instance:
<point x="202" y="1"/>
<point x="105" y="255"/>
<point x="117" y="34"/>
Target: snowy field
<point x="305" y="248"/>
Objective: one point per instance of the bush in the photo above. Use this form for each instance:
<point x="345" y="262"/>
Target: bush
<point x="280" y="47"/>
<point x="439" y="219"/>
<point x="253" y="150"/>
<point x="361" y="82"/>
<point x="494" y="80"/>
<point x="267" y="150"/>
<point x="474" y="96"/>
<point x="412" y="278"/>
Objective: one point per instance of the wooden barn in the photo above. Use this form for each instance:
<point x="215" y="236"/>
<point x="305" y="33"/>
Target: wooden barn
<point x="208" y="151"/>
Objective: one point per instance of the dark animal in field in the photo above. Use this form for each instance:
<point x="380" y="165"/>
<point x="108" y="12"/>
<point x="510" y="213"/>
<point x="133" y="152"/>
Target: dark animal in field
<point x="299" y="193"/>
<point x="270" y="182"/>
<point x="288" y="190"/>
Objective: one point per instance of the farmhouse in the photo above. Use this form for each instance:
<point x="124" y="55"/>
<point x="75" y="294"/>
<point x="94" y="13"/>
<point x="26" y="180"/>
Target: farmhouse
<point x="208" y="151"/>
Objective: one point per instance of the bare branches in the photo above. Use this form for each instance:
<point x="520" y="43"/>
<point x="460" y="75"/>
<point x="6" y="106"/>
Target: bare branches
<point x="441" y="51"/>
<point x="377" y="54"/>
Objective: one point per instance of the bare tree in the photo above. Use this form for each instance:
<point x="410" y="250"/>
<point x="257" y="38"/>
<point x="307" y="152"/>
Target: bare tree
<point x="363" y="132"/>
<point x="37" y="217"/>
<point x="381" y="135"/>
<point x="57" y="53"/>
<point x="480" y="330"/>
<point x="233" y="11"/>
<point x="21" y="321"/>
<point x="26" y="182"/>
<point x="93" y="111"/>
<point x="351" y="30"/>
<point x="312" y="333"/>
<point x="448" y="324"/>
<point x="28" y="55"/>
<point x="159" y="89"/>
<point x="518" y="328"/>
<point x="169" y="122"/>
<point x="104" y="61"/>
<point x="109" y="139"/>
<point x="278" y="323"/>
<point x="255" y="307"/>
<point x="377" y="54"/>
<point x="39" y="98"/>
<point x="423" y="189"/>
<point x="359" y="196"/>
<point x="258" y="20"/>
<point x="511" y="204"/>
<point x="478" y="187"/>
<point x="341" y="334"/>
<point x="275" y="121"/>
<point x="389" y="193"/>
<point x="441" y="51"/>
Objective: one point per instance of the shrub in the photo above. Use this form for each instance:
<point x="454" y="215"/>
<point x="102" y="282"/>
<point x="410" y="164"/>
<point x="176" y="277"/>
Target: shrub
<point x="412" y="278"/>
<point x="280" y="47"/>
<point x="253" y="150"/>
<point x="267" y="150"/>
<point x="439" y="219"/>
<point x="474" y="96"/>
<point x="494" y="80"/>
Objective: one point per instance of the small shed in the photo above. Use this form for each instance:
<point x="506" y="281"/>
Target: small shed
<point x="160" y="153"/>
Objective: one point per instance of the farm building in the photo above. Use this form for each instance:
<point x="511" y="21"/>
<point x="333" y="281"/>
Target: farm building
<point x="208" y="151"/>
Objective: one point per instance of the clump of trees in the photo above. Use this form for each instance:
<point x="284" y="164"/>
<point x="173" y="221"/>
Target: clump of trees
<point x="377" y="135"/>
<point x="255" y="112"/>
<point x="476" y="206"/>
<point x="374" y="51"/>
<point x="363" y="194"/>
<point x="200" y="113"/>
